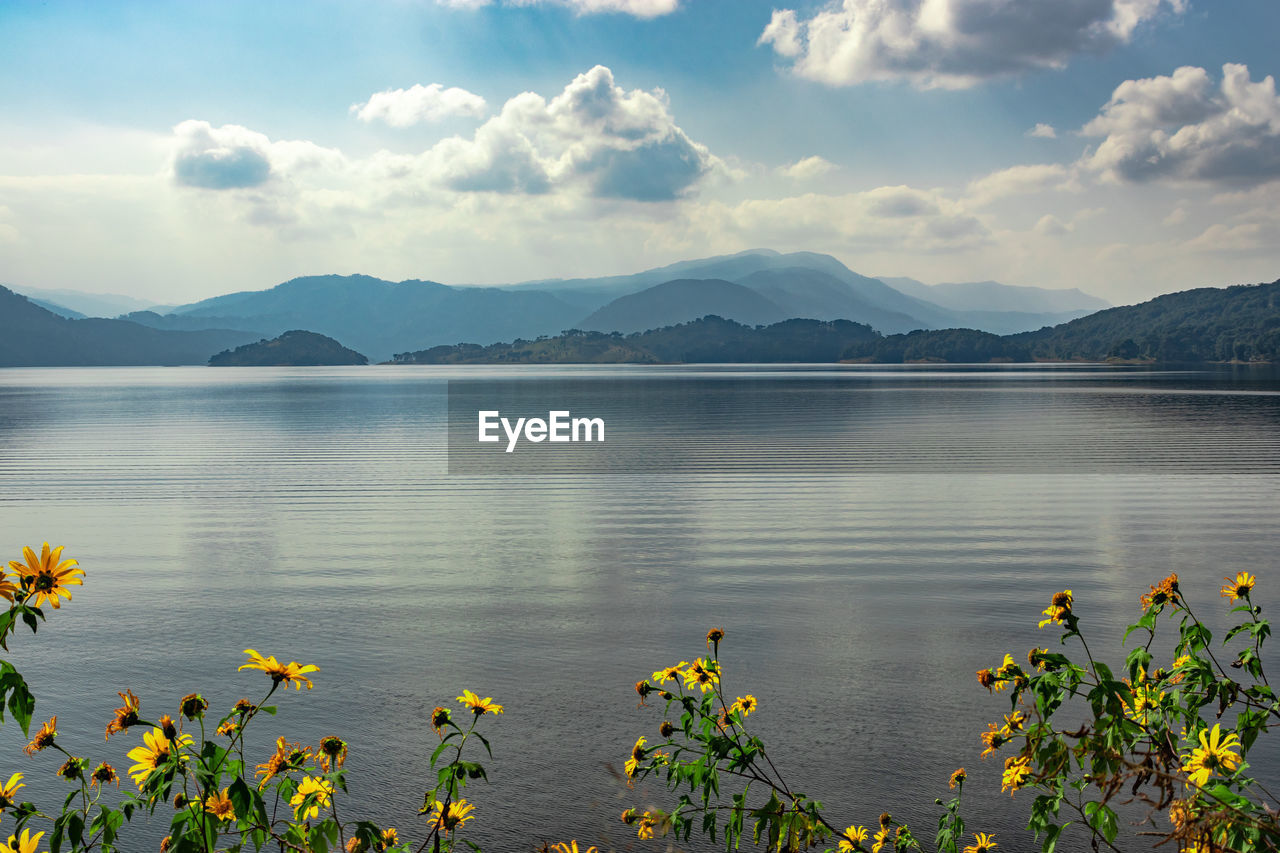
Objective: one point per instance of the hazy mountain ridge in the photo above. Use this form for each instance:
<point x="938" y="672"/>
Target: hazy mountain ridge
<point x="31" y="336"/>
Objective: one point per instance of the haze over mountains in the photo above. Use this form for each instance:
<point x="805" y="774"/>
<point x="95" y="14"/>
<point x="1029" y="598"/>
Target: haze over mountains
<point x="757" y="287"/>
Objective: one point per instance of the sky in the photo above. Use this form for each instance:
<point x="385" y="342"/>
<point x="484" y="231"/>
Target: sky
<point x="174" y="152"/>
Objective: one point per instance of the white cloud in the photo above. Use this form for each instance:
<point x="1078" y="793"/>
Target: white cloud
<point x="950" y="43"/>
<point x="418" y="103"/>
<point x="1020" y="180"/>
<point x="234" y="157"/>
<point x="1183" y="127"/>
<point x="638" y="8"/>
<point x="1042" y="131"/>
<point x="594" y="135"/>
<point x="1051" y="226"/>
<point x="807" y="168"/>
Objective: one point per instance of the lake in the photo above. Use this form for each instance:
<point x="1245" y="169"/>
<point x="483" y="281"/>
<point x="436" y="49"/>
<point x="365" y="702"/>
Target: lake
<point x="868" y="537"/>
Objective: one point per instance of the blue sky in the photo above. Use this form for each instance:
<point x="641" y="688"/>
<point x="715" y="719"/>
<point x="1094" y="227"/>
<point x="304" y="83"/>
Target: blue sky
<point x="177" y="151"/>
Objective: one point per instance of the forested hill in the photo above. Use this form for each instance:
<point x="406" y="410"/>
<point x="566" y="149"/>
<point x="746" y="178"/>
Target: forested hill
<point x="31" y="336"/>
<point x="710" y="340"/>
<point x="1240" y="323"/>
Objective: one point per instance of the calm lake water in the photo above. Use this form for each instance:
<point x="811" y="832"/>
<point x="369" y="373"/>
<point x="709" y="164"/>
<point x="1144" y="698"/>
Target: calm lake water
<point x="868" y="538"/>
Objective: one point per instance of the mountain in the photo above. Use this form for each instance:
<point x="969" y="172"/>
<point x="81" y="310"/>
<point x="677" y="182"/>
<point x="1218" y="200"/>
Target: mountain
<point x="994" y="296"/>
<point x="712" y="340"/>
<point x="31" y="336"/>
<point x="380" y="317"/>
<point x="60" y="310"/>
<point x="82" y="304"/>
<point x="819" y="295"/>
<point x="296" y="347"/>
<point x="1240" y="323"/>
<point x="681" y="301"/>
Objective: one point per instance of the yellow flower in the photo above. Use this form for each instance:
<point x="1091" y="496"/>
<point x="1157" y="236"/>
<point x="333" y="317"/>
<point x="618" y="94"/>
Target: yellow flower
<point x="288" y="756"/>
<point x="653" y="823"/>
<point x="479" y="706"/>
<point x="880" y="838"/>
<point x="8" y="589"/>
<point x="154" y="753"/>
<point x="219" y="805"/>
<point x="671" y="673"/>
<point x="1013" y="723"/>
<point x="281" y="673"/>
<point x="389" y="837"/>
<point x="993" y="738"/>
<point x="44" y="738"/>
<point x="1058" y="609"/>
<point x="9" y="792"/>
<point x="704" y="676"/>
<point x="228" y="727"/>
<point x="333" y="751"/>
<point x="1035" y="657"/>
<point x="1016" y="771"/>
<point x="450" y="817"/>
<point x="983" y="842"/>
<point x="853" y="836"/>
<point x="1232" y="590"/>
<point x="746" y="704"/>
<point x="125" y="716"/>
<point x="1177" y="677"/>
<point x="312" y="795"/>
<point x="47" y="576"/>
<point x="958" y="778"/>
<point x="571" y="847"/>
<point x="714" y="636"/>
<point x="27" y="844"/>
<point x="1163" y="593"/>
<point x="1214" y="755"/>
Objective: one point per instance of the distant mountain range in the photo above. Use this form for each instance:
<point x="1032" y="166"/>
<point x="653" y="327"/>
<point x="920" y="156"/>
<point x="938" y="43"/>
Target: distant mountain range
<point x="77" y="304"/>
<point x="761" y="286"/>
<point x="1240" y="323"/>
<point x="32" y="336"/>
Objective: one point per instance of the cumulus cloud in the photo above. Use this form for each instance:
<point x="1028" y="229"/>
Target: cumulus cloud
<point x="1020" y="180"/>
<point x="1042" y="131"/>
<point x="807" y="168"/>
<point x="418" y="103"/>
<point x="638" y="8"/>
<point x="234" y="157"/>
<point x="950" y="43"/>
<point x="1183" y="127"/>
<point x="594" y="134"/>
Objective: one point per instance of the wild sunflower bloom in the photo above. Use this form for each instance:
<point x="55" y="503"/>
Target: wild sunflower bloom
<point x="219" y="805"/>
<point x="1016" y="770"/>
<point x="288" y="756"/>
<point x="44" y="738"/>
<point x="671" y="673"/>
<point x="479" y="706"/>
<point x="8" y="589"/>
<point x="704" y="676"/>
<point x="570" y="847"/>
<point x="125" y="716"/>
<point x="449" y="817"/>
<point x="389" y="837"/>
<point x="1013" y="723"/>
<point x="46" y="577"/>
<point x="1176" y="677"/>
<point x="1164" y="592"/>
<point x="244" y="706"/>
<point x="312" y="795"/>
<point x="853" y="836"/>
<point x="1035" y="657"/>
<point x="154" y="753"/>
<point x="982" y="843"/>
<point x="228" y="727"/>
<point x="880" y="838"/>
<point x="653" y="823"/>
<point x="193" y="705"/>
<point x="26" y="844"/>
<point x="439" y="717"/>
<point x="637" y="755"/>
<point x="333" y="751"/>
<point x="9" y="792"/>
<point x="746" y="704"/>
<point x="1214" y="755"/>
<point x="104" y="774"/>
<point x="993" y="739"/>
<point x="281" y="673"/>
<point x="957" y="778"/>
<point x="1237" y="589"/>
<point x="73" y="769"/>
<point x="1059" y="608"/>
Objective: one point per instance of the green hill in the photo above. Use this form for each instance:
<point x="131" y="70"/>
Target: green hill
<point x="296" y="348"/>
